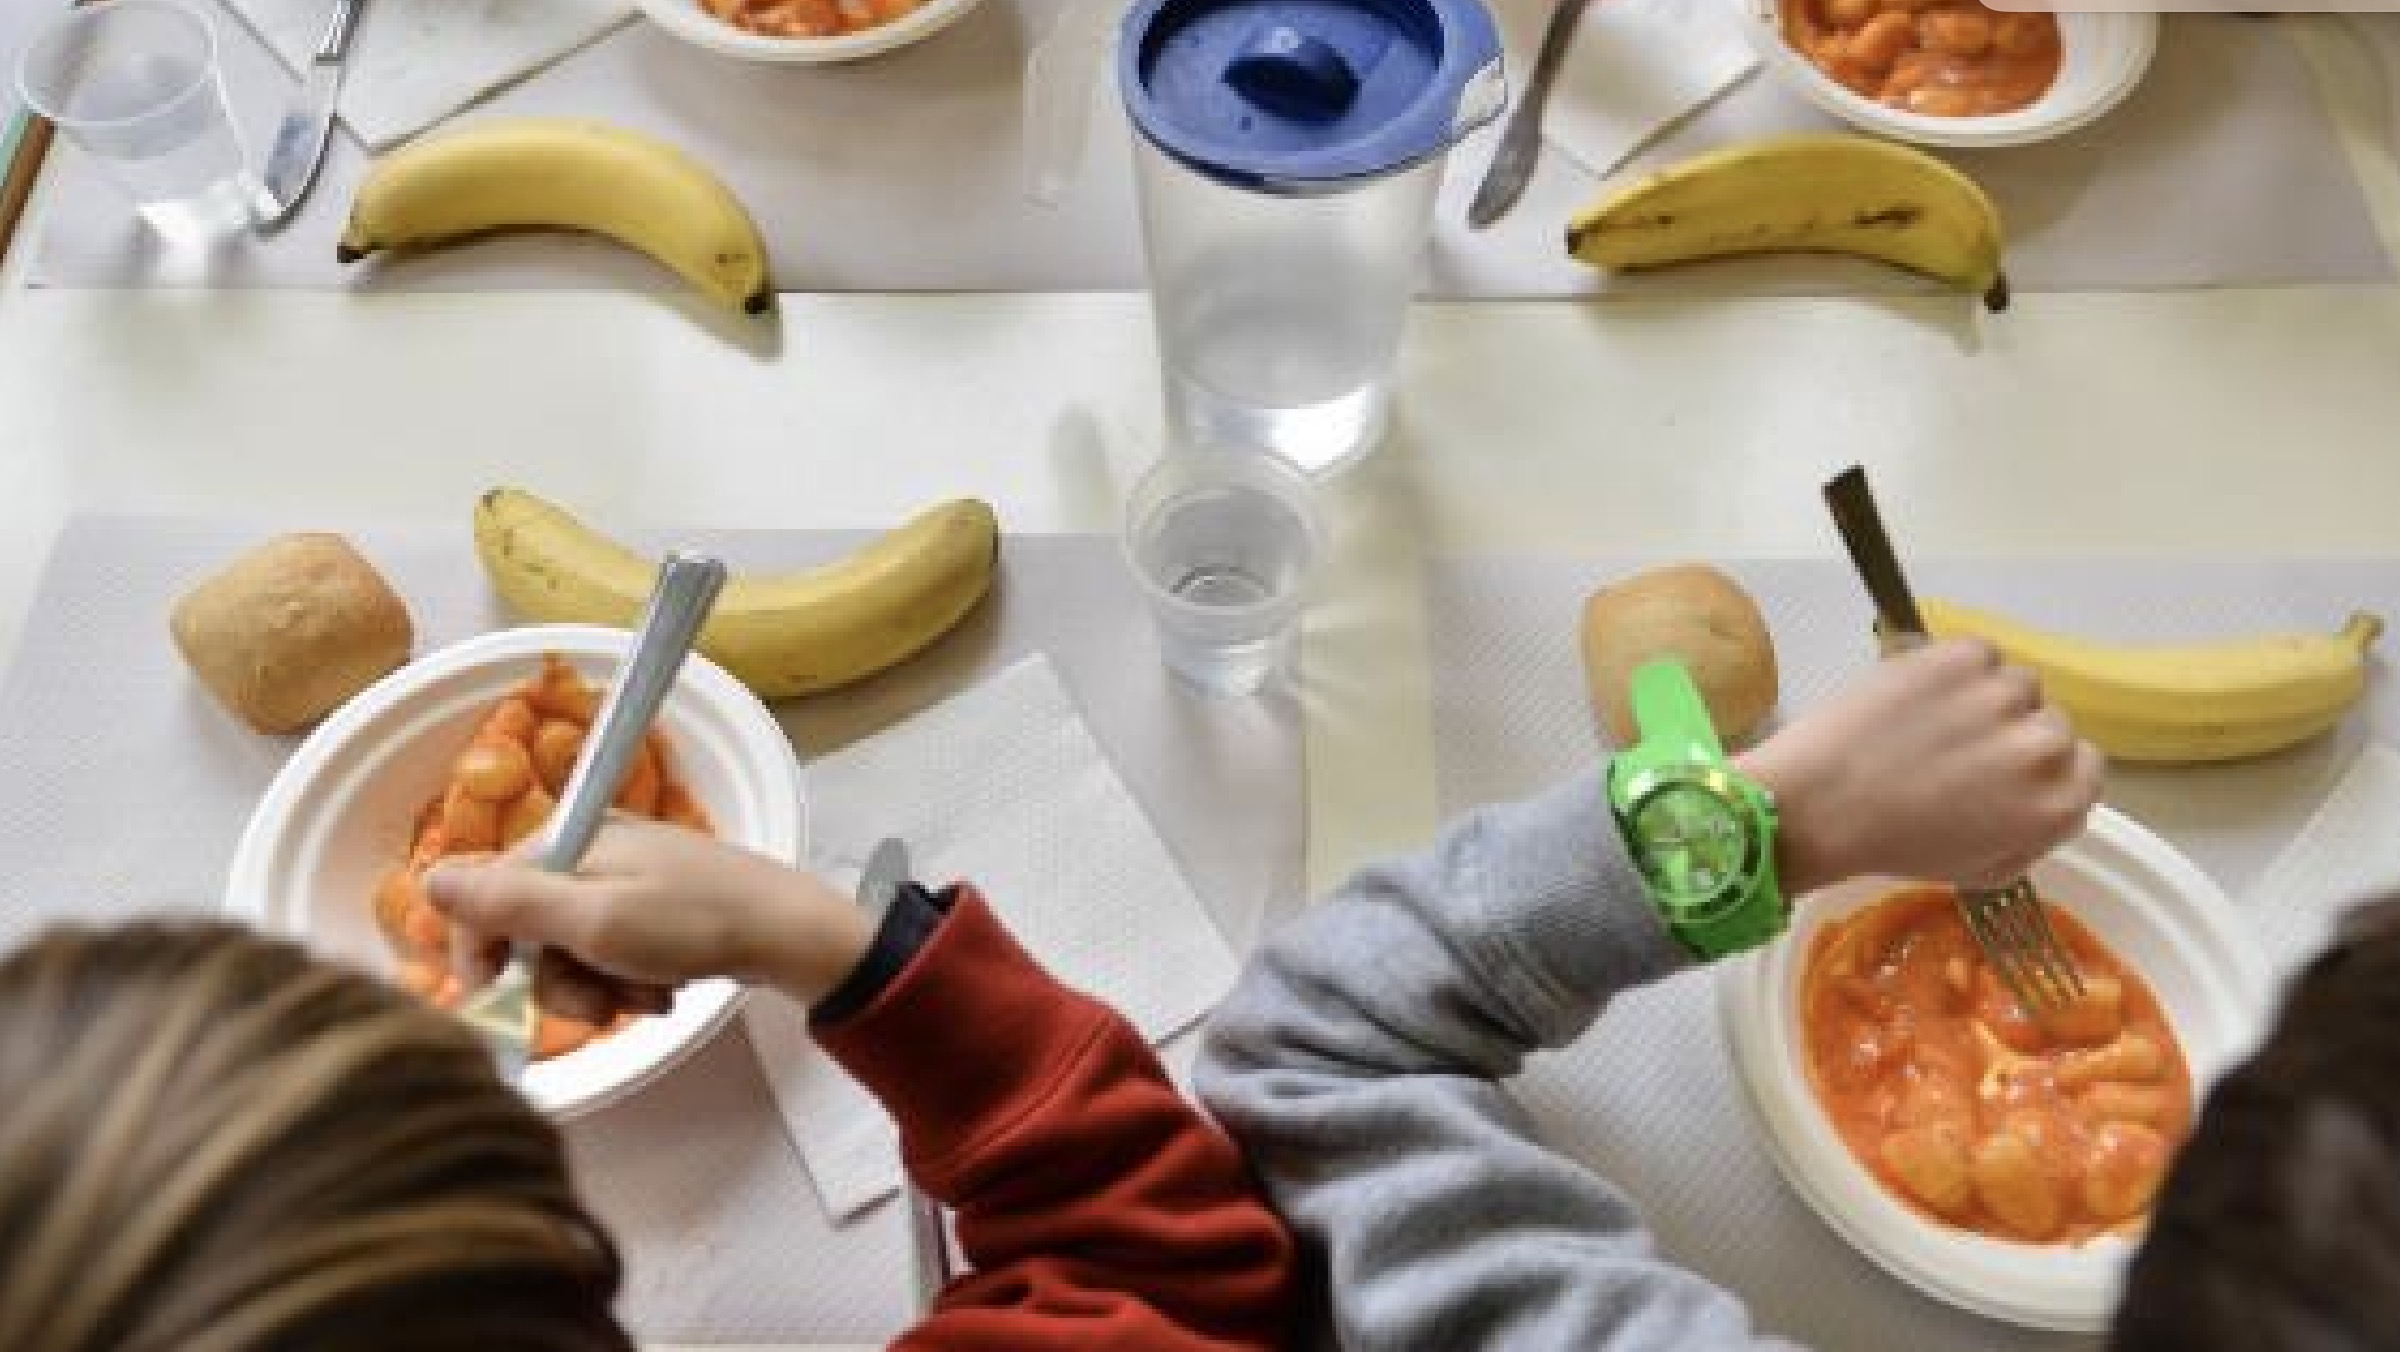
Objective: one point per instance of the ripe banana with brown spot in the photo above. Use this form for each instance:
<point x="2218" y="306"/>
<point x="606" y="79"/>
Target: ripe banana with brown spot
<point x="2189" y="702"/>
<point x="1816" y="192"/>
<point x="791" y="634"/>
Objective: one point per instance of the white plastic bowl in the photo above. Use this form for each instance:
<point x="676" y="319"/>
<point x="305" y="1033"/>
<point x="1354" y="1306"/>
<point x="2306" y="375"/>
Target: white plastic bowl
<point x="2104" y="57"/>
<point x="685" y="19"/>
<point x="2150" y="905"/>
<point x="342" y="811"/>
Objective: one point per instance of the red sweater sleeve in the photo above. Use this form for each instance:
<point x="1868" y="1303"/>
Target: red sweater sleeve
<point x="1097" y="1208"/>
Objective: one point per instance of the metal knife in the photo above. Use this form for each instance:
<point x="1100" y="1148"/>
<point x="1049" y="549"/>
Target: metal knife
<point x="300" y="138"/>
<point x="887" y="868"/>
<point x="928" y="1233"/>
<point x="1521" y="140"/>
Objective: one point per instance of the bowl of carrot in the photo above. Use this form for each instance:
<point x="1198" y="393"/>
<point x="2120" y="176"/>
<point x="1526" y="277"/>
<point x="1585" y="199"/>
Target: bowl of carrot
<point x="462" y="753"/>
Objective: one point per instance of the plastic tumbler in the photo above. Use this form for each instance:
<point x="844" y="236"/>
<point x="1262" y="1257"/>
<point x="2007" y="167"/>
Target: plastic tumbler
<point x="1288" y="157"/>
<point x="135" y="85"/>
<point x="1223" y="543"/>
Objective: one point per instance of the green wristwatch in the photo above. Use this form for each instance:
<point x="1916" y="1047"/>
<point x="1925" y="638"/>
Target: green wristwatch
<point x="1702" y="835"/>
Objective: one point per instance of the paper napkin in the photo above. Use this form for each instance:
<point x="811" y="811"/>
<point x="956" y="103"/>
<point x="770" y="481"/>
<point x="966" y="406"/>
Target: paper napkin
<point x="414" y="62"/>
<point x="1003" y="786"/>
<point x="1635" y="68"/>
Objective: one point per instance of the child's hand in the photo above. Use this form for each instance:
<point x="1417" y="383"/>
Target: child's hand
<point x="1940" y="764"/>
<point x="655" y="905"/>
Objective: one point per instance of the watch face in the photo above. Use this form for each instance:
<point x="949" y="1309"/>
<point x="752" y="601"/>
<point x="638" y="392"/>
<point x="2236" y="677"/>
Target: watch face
<point x="1694" y="843"/>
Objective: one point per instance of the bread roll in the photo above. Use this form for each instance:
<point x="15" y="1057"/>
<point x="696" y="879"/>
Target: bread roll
<point x="1689" y="611"/>
<point x="287" y="632"/>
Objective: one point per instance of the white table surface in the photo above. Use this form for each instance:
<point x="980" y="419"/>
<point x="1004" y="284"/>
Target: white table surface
<point x="2231" y="422"/>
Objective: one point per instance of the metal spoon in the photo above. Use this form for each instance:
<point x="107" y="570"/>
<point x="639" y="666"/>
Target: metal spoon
<point x="1521" y="143"/>
<point x="505" y="1011"/>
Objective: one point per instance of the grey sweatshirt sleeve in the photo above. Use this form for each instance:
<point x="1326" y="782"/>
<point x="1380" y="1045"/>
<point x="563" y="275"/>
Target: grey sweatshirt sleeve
<point x="1358" y="1064"/>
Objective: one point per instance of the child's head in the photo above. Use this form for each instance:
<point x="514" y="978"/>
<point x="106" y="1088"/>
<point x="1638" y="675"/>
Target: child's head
<point x="210" y="1142"/>
<point x="2279" y="1226"/>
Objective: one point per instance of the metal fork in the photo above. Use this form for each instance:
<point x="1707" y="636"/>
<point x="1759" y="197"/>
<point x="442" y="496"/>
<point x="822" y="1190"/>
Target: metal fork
<point x="2009" y="923"/>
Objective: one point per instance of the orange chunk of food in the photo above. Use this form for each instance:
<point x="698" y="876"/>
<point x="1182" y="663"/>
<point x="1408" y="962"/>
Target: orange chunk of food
<point x="1932" y="1074"/>
<point x="530" y="813"/>
<point x="555" y="746"/>
<point x="2127" y="1164"/>
<point x="1931" y="1162"/>
<point x="2010" y="1183"/>
<point x="494" y="769"/>
<point x="503" y="788"/>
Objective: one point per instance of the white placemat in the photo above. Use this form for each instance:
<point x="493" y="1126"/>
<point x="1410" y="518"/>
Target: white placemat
<point x="1649" y="1097"/>
<point x="904" y="173"/>
<point x="1002" y="785"/>
<point x="2348" y="852"/>
<point x="414" y="62"/>
<point x="128" y="788"/>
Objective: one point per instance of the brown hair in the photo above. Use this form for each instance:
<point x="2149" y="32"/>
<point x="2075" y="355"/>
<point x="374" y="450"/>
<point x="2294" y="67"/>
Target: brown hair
<point x="211" y="1142"/>
<point x="2279" y="1227"/>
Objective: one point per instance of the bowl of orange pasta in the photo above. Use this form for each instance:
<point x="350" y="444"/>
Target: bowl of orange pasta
<point x="461" y="753"/>
<point x="1953" y="72"/>
<point x="2000" y="1161"/>
<point x="803" y="31"/>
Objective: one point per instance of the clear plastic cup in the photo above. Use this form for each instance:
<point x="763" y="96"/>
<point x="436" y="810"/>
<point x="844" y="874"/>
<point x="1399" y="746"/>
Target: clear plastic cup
<point x="1224" y="543"/>
<point x="135" y="85"/>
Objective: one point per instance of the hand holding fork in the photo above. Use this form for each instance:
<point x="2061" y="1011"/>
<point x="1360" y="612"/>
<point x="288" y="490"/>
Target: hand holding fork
<point x="2054" y="769"/>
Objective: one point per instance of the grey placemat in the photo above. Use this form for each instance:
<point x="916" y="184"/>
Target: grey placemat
<point x="1649" y="1097"/>
<point x="128" y="788"/>
<point x="903" y="173"/>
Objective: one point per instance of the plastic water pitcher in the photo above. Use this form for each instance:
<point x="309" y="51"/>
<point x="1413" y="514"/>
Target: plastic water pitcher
<point x="1288" y="158"/>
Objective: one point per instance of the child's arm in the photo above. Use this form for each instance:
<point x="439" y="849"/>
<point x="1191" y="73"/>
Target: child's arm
<point x="1096" y="1207"/>
<point x="1359" y="1063"/>
<point x="1359" y="1060"/>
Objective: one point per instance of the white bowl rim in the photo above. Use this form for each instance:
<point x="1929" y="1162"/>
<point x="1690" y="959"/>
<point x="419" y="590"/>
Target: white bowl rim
<point x="613" y="1068"/>
<point x="686" y="20"/>
<point x="2045" y="1287"/>
<point x="2137" y="36"/>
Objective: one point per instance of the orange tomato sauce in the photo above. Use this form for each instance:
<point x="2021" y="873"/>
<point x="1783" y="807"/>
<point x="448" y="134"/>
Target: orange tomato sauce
<point x="807" y="18"/>
<point x="1968" y="1110"/>
<point x="502" y="788"/>
<point x="1943" y="58"/>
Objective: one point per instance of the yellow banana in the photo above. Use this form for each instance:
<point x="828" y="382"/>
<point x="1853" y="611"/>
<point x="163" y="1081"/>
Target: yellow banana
<point x="1817" y="192"/>
<point x="794" y="634"/>
<point x="2184" y="702"/>
<point x="568" y="174"/>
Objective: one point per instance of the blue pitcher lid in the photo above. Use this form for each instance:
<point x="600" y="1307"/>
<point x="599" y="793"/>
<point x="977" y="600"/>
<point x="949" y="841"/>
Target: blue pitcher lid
<point x="1297" y="95"/>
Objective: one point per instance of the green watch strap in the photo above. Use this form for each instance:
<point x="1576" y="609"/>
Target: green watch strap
<point x="1668" y="710"/>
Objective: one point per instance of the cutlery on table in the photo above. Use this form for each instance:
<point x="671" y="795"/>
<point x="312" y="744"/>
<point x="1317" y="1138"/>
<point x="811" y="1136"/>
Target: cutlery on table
<point x="928" y="1234"/>
<point x="1521" y="141"/>
<point x="300" y="138"/>
<point x="505" y="1011"/>
<point x="2008" y="923"/>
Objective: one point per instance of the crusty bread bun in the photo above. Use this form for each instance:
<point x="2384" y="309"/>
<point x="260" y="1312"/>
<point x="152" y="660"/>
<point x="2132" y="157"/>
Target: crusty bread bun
<point x="287" y="632"/>
<point x="1689" y="611"/>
